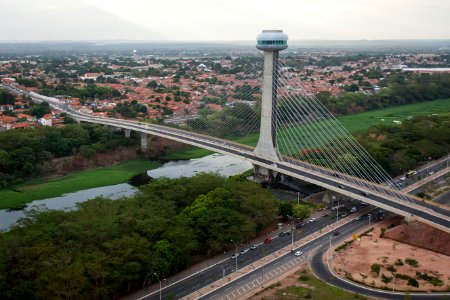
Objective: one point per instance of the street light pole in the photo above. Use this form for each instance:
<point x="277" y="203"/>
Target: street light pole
<point x="159" y="285"/>
<point x="235" y="270"/>
<point x="370" y="216"/>
<point x="393" y="288"/>
<point x="337" y="212"/>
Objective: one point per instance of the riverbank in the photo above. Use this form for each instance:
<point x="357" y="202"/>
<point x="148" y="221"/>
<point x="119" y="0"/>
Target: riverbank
<point x="42" y="189"/>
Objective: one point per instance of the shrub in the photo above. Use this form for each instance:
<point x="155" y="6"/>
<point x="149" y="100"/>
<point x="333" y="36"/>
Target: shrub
<point x="391" y="268"/>
<point x="386" y="279"/>
<point x="413" y="282"/>
<point x="434" y="280"/>
<point x="382" y="232"/>
<point x="412" y="262"/>
<point x="399" y="262"/>
<point x="402" y="276"/>
<point x="375" y="269"/>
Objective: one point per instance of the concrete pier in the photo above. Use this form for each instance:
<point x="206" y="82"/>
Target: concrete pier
<point x="144" y="142"/>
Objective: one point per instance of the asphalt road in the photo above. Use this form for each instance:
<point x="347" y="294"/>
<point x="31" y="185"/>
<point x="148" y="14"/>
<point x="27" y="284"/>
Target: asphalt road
<point x="216" y="272"/>
<point x="347" y="229"/>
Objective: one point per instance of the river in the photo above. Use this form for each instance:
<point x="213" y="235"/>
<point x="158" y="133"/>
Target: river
<point x="221" y="164"/>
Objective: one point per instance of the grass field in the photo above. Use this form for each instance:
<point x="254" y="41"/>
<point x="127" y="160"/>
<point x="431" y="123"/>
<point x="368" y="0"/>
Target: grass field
<point x="353" y="123"/>
<point x="40" y="189"/>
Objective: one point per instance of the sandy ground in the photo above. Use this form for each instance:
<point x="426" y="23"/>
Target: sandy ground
<point x="357" y="259"/>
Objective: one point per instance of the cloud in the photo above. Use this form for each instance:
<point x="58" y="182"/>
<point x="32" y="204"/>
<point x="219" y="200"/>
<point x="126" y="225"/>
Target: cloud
<point x="223" y="19"/>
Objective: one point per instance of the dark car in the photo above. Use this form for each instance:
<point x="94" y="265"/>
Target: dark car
<point x="336" y="233"/>
<point x="340" y="186"/>
<point x="364" y="194"/>
<point x="336" y="175"/>
<point x="324" y="215"/>
<point x="284" y="233"/>
<point x="298" y="226"/>
<point x="268" y="240"/>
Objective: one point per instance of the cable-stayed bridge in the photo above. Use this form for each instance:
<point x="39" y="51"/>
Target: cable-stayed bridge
<point x="296" y="136"/>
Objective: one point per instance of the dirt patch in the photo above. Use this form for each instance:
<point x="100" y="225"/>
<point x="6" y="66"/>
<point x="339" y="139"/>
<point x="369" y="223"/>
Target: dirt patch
<point x="374" y="260"/>
<point x="421" y="235"/>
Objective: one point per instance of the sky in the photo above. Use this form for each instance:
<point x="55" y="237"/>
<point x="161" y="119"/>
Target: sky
<point x="222" y="20"/>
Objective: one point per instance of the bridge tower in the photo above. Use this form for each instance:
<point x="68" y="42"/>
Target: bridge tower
<point x="271" y="42"/>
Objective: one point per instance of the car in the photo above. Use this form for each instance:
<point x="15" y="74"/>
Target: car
<point x="283" y="233"/>
<point x="243" y="251"/>
<point x="357" y="218"/>
<point x="336" y="233"/>
<point x="363" y="204"/>
<point x="431" y="173"/>
<point x="312" y="220"/>
<point x="234" y="256"/>
<point x="340" y="186"/>
<point x="364" y="194"/>
<point x="403" y="178"/>
<point x="298" y="253"/>
<point x="324" y="215"/>
<point x="268" y="240"/>
<point x="353" y="210"/>
<point x="336" y="175"/>
<point x="298" y="226"/>
<point x="253" y="247"/>
<point x="344" y="215"/>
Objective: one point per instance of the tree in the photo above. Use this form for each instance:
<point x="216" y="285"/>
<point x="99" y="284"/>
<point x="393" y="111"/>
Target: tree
<point x="375" y="269"/>
<point x="301" y="211"/>
<point x="285" y="210"/>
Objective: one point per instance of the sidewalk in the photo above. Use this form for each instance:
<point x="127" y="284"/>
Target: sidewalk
<point x="267" y="259"/>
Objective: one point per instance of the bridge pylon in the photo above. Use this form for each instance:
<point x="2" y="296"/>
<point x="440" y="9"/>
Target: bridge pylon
<point x="271" y="42"/>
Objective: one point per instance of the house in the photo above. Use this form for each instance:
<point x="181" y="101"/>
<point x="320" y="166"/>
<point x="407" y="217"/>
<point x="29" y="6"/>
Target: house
<point x="46" y="120"/>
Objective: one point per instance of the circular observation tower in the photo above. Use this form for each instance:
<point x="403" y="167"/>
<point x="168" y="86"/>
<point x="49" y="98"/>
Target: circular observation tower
<point x="272" y="40"/>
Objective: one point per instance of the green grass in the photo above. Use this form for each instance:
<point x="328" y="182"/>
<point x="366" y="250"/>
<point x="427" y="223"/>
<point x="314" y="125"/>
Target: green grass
<point x="315" y="289"/>
<point x="187" y="153"/>
<point x="41" y="189"/>
<point x="362" y="121"/>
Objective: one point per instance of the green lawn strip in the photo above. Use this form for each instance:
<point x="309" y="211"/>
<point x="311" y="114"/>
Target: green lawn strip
<point x="353" y="123"/>
<point x="40" y="189"/>
<point x="316" y="290"/>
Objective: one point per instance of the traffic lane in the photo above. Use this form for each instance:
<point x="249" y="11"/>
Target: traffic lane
<point x="404" y="207"/>
<point x="245" y="279"/>
<point x="215" y="273"/>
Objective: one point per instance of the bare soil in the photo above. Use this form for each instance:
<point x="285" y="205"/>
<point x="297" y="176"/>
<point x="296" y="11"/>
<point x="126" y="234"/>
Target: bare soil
<point x="356" y="260"/>
<point x="421" y="235"/>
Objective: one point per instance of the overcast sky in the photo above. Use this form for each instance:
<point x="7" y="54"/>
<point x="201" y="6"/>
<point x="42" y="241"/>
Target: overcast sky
<point x="219" y="20"/>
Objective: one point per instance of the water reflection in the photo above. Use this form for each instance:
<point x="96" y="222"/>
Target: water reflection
<point x="222" y="164"/>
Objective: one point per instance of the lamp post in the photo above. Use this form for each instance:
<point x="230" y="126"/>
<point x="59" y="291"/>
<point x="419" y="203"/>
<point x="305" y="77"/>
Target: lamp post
<point x="159" y="285"/>
<point x="236" y="256"/>
<point x="337" y="212"/>
<point x="393" y="287"/>
<point x="370" y="216"/>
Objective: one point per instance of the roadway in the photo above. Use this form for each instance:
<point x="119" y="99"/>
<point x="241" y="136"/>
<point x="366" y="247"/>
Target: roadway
<point x="215" y="272"/>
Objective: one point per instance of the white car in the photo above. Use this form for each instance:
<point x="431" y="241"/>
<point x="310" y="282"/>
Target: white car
<point x="431" y="173"/>
<point x="298" y="253"/>
<point x="312" y="220"/>
<point x="403" y="178"/>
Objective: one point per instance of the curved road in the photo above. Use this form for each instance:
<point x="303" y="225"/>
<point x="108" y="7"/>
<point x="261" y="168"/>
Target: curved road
<point x="321" y="270"/>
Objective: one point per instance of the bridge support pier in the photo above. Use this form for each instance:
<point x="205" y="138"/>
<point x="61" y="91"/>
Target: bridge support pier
<point x="267" y="174"/>
<point x="144" y="142"/>
<point x="127" y="132"/>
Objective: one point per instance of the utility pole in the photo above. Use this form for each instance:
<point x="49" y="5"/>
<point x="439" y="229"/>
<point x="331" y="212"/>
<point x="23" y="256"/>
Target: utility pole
<point x="298" y="196"/>
<point x="370" y="216"/>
